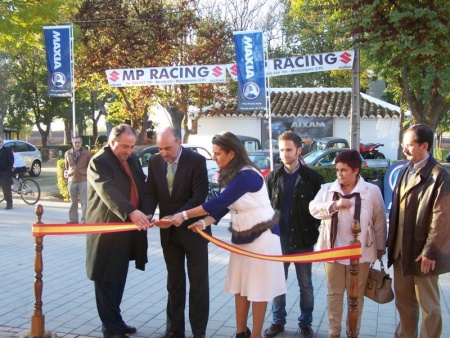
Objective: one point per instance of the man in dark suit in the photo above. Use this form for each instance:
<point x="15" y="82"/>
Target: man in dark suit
<point x="6" y="165"/>
<point x="116" y="192"/>
<point x="177" y="181"/>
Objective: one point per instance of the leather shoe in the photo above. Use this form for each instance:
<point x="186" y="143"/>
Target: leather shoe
<point x="8" y="207"/>
<point x="273" y="330"/>
<point x="129" y="329"/>
<point x="172" y="335"/>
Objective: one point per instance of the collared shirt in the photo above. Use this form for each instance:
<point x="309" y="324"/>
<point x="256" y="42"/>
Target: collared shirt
<point x="415" y="167"/>
<point x="175" y="163"/>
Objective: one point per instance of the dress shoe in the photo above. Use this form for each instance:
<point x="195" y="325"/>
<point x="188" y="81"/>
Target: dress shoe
<point x="273" y="330"/>
<point x="172" y="335"/>
<point x="8" y="207"/>
<point x="129" y="329"/>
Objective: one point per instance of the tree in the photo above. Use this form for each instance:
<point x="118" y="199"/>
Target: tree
<point x="405" y="42"/>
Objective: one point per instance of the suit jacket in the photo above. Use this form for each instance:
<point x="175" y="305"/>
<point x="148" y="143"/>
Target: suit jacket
<point x="190" y="189"/>
<point x="426" y="227"/>
<point x="108" y="254"/>
<point x="6" y="161"/>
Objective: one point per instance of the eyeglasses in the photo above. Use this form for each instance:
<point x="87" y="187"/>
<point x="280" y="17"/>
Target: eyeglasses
<point x="409" y="146"/>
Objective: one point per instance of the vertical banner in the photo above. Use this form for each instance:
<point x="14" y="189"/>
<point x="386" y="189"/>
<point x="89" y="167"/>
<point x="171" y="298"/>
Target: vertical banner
<point x="250" y="70"/>
<point x="58" y="49"/>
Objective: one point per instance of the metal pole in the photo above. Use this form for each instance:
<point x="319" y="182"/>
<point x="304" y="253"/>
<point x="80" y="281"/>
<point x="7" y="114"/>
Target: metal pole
<point x="268" y="108"/>
<point x="72" y="64"/>
<point x="356" y="104"/>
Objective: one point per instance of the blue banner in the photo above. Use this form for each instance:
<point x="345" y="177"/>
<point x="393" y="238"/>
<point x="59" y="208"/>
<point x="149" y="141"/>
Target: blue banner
<point x="390" y="179"/>
<point x="251" y="70"/>
<point x="57" y="46"/>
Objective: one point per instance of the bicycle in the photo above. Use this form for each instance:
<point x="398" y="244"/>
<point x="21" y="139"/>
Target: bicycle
<point x="27" y="188"/>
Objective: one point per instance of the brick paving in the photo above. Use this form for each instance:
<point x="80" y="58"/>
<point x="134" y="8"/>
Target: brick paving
<point x="68" y="296"/>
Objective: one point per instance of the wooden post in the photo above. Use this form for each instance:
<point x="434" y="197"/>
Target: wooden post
<point x="352" y="301"/>
<point x="38" y="319"/>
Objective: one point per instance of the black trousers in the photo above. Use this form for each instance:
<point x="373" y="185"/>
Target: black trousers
<point x="175" y="255"/>
<point x="6" y="187"/>
<point x="108" y="296"/>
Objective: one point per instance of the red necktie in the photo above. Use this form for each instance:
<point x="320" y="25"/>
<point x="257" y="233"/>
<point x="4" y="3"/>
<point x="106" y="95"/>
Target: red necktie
<point x="134" y="199"/>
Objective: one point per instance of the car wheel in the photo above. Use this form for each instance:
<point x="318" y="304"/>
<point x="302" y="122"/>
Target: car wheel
<point x="35" y="169"/>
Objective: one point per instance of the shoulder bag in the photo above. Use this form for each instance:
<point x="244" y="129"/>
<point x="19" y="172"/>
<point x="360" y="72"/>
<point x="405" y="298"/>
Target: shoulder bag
<point x="379" y="285"/>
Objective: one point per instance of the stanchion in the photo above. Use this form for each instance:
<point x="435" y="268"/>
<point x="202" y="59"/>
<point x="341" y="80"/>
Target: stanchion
<point x="38" y="319"/>
<point x="352" y="314"/>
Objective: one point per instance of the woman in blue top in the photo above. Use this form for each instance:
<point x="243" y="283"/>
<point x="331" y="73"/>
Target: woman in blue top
<point x="253" y="228"/>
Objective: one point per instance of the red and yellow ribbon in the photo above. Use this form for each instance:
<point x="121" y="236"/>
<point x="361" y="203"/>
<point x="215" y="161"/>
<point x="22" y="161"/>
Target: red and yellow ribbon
<point x="346" y="252"/>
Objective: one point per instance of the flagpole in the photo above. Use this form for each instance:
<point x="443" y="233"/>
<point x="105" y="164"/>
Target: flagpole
<point x="72" y="67"/>
<point x="268" y="108"/>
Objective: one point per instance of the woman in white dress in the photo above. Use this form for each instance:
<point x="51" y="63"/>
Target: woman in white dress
<point x="253" y="228"/>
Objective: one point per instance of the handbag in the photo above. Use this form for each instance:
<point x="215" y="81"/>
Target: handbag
<point x="379" y="285"/>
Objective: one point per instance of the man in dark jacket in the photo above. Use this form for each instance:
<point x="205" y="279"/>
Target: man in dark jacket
<point x="116" y="192"/>
<point x="6" y="165"/>
<point x="177" y="181"/>
<point x="419" y="235"/>
<point x="291" y="188"/>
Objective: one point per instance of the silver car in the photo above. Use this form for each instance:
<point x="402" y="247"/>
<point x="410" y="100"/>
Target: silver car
<point x="30" y="154"/>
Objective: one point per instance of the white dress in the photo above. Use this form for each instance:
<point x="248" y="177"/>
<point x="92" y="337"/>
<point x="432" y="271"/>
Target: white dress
<point x="257" y="279"/>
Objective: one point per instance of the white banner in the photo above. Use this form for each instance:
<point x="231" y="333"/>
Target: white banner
<point x="157" y="76"/>
<point x="310" y="63"/>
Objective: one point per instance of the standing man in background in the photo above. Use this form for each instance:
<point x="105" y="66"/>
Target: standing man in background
<point x="419" y="236"/>
<point x="177" y="181"/>
<point x="76" y="163"/>
<point x="116" y="193"/>
<point x="291" y="188"/>
<point x="6" y="165"/>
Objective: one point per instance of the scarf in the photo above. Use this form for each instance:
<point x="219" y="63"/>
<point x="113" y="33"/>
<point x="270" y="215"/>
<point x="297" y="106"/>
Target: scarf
<point x="334" y="218"/>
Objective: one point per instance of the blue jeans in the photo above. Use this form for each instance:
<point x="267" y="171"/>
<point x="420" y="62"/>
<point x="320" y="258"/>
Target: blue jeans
<point x="304" y="272"/>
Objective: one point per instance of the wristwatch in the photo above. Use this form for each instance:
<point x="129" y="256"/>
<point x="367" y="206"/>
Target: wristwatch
<point x="185" y="216"/>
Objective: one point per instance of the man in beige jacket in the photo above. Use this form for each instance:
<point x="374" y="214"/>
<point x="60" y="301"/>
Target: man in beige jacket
<point x="76" y="163"/>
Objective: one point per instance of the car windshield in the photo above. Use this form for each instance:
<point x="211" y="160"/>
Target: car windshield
<point x="261" y="160"/>
<point x="311" y="157"/>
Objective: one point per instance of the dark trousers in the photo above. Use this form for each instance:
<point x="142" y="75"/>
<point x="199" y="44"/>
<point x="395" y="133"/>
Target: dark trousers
<point x="6" y="187"/>
<point x="108" y="296"/>
<point x="175" y="255"/>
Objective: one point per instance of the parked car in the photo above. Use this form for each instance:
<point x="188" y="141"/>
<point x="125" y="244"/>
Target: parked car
<point x="250" y="143"/>
<point x="325" y="157"/>
<point x="30" y="154"/>
<point x="328" y="142"/>
<point x="145" y="154"/>
<point x="262" y="159"/>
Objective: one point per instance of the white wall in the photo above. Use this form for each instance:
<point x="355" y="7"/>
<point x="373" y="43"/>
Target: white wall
<point x="373" y="131"/>
<point x="210" y="126"/>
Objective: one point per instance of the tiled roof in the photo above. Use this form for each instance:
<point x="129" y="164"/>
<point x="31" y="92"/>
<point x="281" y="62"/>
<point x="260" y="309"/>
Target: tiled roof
<point x="315" y="102"/>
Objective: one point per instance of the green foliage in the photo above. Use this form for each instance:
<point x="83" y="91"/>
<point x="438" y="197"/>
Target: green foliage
<point x="62" y="182"/>
<point x="369" y="174"/>
<point x="441" y="154"/>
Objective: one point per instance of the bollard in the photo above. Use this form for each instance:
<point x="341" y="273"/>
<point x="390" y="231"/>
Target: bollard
<point x="352" y="301"/>
<point x="38" y="319"/>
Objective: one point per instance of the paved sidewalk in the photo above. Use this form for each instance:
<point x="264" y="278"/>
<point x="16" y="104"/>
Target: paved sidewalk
<point x="68" y="296"/>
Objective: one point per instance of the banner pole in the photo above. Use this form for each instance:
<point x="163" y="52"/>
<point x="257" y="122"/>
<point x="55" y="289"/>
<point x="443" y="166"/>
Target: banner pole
<point x="72" y="66"/>
<point x="268" y="108"/>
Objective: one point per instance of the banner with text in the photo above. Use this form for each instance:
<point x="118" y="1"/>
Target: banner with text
<point x="217" y="73"/>
<point x="250" y="70"/>
<point x="57" y="46"/>
<point x="156" y="76"/>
